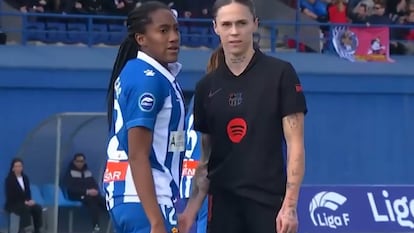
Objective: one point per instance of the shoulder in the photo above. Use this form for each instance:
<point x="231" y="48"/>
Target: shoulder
<point x="205" y="82"/>
<point x="138" y="72"/>
<point x="274" y="62"/>
<point x="10" y="178"/>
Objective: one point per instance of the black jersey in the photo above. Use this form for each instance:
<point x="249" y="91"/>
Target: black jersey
<point x="243" y="116"/>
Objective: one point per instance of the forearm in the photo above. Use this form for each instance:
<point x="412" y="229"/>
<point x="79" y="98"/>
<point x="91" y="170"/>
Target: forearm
<point x="295" y="173"/>
<point x="144" y="184"/>
<point x="199" y="190"/>
<point x="201" y="182"/>
<point x="293" y="127"/>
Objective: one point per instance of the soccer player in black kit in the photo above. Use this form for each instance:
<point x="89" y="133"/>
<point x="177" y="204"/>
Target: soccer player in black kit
<point x="244" y="109"/>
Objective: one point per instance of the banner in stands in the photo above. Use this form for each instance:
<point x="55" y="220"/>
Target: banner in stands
<point x="356" y="209"/>
<point x="362" y="43"/>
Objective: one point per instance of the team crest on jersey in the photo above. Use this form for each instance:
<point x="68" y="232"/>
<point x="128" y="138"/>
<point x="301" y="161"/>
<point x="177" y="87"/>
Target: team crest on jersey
<point x="235" y="99"/>
<point x="146" y="102"/>
<point x="150" y="73"/>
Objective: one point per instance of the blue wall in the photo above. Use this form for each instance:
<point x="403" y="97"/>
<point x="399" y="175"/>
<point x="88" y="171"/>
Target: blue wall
<point x="358" y="129"/>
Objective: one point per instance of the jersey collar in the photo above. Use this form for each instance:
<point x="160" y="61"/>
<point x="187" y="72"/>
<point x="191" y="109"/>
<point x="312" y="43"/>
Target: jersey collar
<point x="170" y="74"/>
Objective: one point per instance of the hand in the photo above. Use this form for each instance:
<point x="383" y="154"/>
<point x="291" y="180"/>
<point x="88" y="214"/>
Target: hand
<point x="29" y="203"/>
<point x="287" y="220"/>
<point x="158" y="228"/>
<point x="184" y="223"/>
<point x="92" y="192"/>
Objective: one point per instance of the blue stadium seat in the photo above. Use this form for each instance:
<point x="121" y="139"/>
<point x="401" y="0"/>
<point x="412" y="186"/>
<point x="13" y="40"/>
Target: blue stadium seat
<point x="37" y="195"/>
<point x="76" y="33"/>
<point x="185" y="37"/>
<point x="49" y="194"/>
<point x="48" y="191"/>
<point x="35" y="31"/>
<point x="199" y="36"/>
<point x="100" y="33"/>
<point x="117" y="34"/>
<point x="56" y="32"/>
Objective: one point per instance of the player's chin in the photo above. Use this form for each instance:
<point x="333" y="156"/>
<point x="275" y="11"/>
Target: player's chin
<point x="171" y="56"/>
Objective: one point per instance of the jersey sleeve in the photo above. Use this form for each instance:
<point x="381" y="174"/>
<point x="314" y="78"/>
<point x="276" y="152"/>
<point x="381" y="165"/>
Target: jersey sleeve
<point x="145" y="98"/>
<point x="292" y="97"/>
<point x="200" y="114"/>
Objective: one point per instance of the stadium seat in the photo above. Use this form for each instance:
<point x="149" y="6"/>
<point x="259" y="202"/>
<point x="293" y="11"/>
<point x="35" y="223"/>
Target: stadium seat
<point x="37" y="194"/>
<point x="35" y="31"/>
<point x="117" y="34"/>
<point x="56" y="32"/>
<point x="49" y="194"/>
<point x="100" y="33"/>
<point x="76" y="33"/>
<point x="199" y="36"/>
<point x="185" y="37"/>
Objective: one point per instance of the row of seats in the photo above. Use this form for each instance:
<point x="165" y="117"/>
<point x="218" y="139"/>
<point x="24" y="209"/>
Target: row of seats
<point x="109" y="34"/>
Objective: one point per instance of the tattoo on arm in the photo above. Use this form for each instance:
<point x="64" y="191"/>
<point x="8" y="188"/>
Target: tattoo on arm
<point x="200" y="182"/>
<point x="293" y="120"/>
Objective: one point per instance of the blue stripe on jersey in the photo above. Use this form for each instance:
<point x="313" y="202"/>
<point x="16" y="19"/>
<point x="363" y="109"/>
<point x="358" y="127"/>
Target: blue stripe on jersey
<point x="193" y="150"/>
<point x="176" y="107"/>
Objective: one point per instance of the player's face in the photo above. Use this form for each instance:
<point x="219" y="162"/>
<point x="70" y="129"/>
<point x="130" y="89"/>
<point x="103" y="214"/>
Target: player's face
<point x="235" y="25"/>
<point x="17" y="167"/>
<point x="162" y="38"/>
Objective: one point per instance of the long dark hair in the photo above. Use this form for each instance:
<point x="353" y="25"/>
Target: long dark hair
<point x="15" y="160"/>
<point x="137" y="21"/>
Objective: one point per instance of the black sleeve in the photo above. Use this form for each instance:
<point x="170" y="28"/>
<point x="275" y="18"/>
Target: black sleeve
<point x="28" y="191"/>
<point x="199" y="111"/>
<point x="9" y="190"/>
<point x="291" y="97"/>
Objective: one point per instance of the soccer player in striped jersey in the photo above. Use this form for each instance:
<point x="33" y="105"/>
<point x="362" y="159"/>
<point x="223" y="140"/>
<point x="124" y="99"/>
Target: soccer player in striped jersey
<point x="193" y="153"/>
<point x="146" y="115"/>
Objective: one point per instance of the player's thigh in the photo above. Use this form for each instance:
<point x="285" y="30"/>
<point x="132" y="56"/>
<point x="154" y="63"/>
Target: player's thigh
<point x="130" y="218"/>
<point x="202" y="218"/>
<point x="259" y="217"/>
<point x="224" y="215"/>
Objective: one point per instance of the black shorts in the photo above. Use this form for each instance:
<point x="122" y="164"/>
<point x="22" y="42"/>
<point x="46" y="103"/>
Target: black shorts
<point x="233" y="214"/>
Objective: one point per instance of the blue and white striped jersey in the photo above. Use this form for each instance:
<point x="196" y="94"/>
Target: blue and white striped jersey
<point x="192" y="154"/>
<point x="146" y="95"/>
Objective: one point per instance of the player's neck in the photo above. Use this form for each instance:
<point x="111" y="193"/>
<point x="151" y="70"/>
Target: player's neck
<point x="238" y="63"/>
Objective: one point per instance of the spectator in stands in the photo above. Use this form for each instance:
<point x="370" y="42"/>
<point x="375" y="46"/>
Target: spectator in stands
<point x="337" y="12"/>
<point x="396" y="9"/>
<point x="118" y="7"/>
<point x="33" y="6"/>
<point x="197" y="9"/>
<point x="360" y="13"/>
<point x="19" y="198"/>
<point x="82" y="186"/>
<point x="81" y="6"/>
<point x="378" y="15"/>
<point x="315" y="9"/>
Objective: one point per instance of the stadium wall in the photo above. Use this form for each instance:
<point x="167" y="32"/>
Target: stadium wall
<point x="358" y="129"/>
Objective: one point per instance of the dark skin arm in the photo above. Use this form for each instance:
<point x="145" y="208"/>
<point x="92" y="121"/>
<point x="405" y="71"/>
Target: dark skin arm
<point x="140" y="141"/>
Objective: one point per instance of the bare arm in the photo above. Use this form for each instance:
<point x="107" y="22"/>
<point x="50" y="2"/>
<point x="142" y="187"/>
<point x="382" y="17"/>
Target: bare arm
<point x="140" y="140"/>
<point x="200" y="182"/>
<point x="293" y="128"/>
